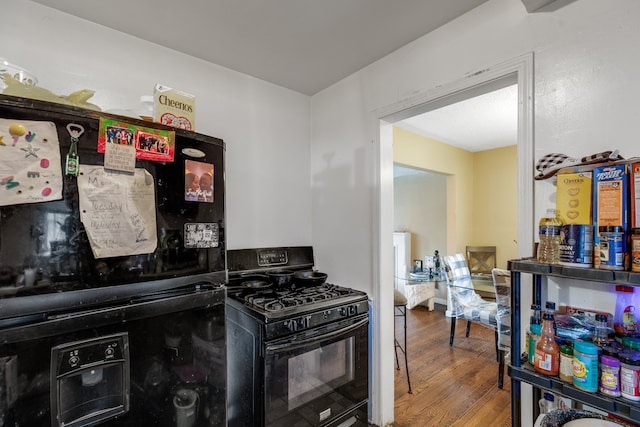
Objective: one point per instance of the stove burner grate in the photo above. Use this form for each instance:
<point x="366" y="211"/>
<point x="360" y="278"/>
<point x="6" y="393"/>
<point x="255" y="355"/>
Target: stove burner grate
<point x="278" y="300"/>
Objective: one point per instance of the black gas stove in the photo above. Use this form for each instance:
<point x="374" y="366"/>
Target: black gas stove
<point x="292" y="307"/>
<point x="300" y="348"/>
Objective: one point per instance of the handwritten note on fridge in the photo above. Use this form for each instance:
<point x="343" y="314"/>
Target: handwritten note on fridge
<point x="118" y="211"/>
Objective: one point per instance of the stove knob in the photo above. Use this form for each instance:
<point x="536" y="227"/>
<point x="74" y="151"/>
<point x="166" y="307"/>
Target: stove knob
<point x="305" y="322"/>
<point x="344" y="312"/>
<point x="326" y="314"/>
<point x="291" y="324"/>
<point x="353" y="310"/>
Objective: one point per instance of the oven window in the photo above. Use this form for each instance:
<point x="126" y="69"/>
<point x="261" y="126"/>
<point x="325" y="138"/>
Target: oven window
<point x="319" y="371"/>
<point x="312" y="379"/>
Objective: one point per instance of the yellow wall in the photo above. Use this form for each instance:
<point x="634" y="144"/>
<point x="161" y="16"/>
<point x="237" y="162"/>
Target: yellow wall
<point x="495" y="206"/>
<point x="481" y="191"/>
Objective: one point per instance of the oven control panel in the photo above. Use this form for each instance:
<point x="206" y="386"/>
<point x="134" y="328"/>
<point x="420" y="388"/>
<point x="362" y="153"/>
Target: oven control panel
<point x="316" y="318"/>
<point x="271" y="257"/>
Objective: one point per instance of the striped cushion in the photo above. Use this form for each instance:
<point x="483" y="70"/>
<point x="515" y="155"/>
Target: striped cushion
<point x="462" y="298"/>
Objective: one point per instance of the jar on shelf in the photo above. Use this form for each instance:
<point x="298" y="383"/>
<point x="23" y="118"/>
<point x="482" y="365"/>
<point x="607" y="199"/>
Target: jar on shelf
<point x="630" y="374"/>
<point x="585" y="366"/>
<point x="610" y="376"/>
<point x="635" y="250"/>
<point x="566" y="362"/>
<point x="612" y="248"/>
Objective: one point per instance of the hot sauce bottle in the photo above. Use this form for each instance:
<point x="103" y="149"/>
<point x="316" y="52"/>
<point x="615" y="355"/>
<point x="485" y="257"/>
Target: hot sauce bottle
<point x="547" y="356"/>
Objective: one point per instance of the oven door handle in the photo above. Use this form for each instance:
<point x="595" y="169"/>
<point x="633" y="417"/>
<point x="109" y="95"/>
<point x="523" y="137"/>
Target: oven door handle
<point x="290" y="344"/>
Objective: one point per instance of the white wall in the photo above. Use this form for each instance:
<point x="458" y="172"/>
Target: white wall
<point x="586" y="62"/>
<point x="265" y="127"/>
<point x="420" y="207"/>
<point x="586" y="92"/>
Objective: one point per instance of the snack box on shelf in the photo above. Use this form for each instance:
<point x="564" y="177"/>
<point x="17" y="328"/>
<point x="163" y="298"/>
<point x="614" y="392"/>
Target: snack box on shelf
<point x="610" y="201"/>
<point x="634" y="183"/>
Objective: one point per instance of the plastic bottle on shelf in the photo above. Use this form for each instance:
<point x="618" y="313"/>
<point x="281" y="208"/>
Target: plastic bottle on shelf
<point x="601" y="332"/>
<point x="624" y="321"/>
<point x="535" y="315"/>
<point x="550" y="307"/>
<point x="532" y="337"/>
<point x="547" y="403"/>
<point x="547" y="353"/>
<point x="549" y="235"/>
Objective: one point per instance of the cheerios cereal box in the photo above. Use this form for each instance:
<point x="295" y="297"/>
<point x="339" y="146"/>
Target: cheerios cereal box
<point x="174" y="108"/>
<point x="574" y="197"/>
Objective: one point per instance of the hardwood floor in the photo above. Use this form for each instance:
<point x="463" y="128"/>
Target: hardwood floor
<point x="452" y="386"/>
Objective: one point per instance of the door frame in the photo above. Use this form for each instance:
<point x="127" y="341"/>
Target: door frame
<point x="473" y="84"/>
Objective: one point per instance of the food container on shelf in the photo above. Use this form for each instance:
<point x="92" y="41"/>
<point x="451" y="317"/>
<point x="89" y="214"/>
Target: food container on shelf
<point x="20" y="74"/>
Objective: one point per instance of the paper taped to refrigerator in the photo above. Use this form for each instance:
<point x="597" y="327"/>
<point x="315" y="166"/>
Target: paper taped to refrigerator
<point x="118" y="211"/>
<point x="29" y="162"/>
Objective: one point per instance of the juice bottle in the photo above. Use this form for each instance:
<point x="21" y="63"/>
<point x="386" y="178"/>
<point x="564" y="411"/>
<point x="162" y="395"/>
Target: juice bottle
<point x="547" y="357"/>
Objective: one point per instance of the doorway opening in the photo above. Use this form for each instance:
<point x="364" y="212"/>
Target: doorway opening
<point x="519" y="70"/>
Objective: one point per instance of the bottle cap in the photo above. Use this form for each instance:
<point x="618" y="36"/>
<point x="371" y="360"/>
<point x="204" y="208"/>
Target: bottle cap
<point x="601" y="317"/>
<point x="609" y="350"/>
<point x="609" y="361"/>
<point x="566" y="349"/>
<point x="585" y="347"/>
<point x="630" y="357"/>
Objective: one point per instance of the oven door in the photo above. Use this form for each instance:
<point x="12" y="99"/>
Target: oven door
<point x="317" y="377"/>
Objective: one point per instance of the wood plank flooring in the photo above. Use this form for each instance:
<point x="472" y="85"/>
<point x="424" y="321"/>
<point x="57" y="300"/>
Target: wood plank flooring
<point x="452" y="386"/>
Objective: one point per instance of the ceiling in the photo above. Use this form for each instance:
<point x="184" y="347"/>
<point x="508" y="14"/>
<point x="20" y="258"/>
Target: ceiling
<point x="481" y="123"/>
<point x="308" y="45"/>
<point x="303" y="45"/>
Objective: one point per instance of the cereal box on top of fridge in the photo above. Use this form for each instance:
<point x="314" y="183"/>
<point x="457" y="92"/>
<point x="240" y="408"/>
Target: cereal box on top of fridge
<point x="174" y="108"/>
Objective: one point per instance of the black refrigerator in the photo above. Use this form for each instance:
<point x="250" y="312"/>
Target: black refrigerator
<point x="112" y="270"/>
